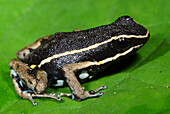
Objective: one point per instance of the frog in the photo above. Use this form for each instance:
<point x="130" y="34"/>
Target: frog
<point x="68" y="58"/>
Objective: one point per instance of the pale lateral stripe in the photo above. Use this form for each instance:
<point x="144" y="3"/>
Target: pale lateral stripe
<point x="47" y="60"/>
<point x="118" y="55"/>
<point x="115" y="57"/>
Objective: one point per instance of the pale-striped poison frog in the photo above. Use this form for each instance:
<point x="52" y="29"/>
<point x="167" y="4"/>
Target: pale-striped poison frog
<point x="55" y="60"/>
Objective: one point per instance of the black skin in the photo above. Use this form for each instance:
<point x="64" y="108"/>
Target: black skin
<point x="68" y="41"/>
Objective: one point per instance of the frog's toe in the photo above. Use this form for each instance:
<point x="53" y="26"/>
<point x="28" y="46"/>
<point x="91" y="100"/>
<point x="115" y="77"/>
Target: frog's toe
<point x="87" y="94"/>
<point x="98" y="89"/>
<point x="60" y="99"/>
<point x="35" y="104"/>
<point x="65" y="95"/>
<point x="52" y="94"/>
<point x="96" y="94"/>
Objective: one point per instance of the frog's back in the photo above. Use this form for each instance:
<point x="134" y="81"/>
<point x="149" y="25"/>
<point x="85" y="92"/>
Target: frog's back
<point x="69" y="42"/>
<point x="87" y="45"/>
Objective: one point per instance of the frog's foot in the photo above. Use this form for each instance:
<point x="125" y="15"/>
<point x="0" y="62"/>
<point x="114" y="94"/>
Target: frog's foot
<point x="27" y="94"/>
<point x="51" y="95"/>
<point x="87" y="94"/>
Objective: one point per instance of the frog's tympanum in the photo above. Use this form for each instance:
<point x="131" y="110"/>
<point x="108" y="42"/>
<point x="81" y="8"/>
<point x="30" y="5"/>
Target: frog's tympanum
<point x="67" y="58"/>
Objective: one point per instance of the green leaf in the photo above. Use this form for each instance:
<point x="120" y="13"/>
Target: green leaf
<point x="138" y="85"/>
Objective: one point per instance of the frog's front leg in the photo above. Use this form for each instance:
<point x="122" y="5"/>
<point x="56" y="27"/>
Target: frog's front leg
<point x="78" y="92"/>
<point x="28" y="82"/>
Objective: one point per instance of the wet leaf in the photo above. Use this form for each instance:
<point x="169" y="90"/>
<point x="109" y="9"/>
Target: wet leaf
<point x="139" y="85"/>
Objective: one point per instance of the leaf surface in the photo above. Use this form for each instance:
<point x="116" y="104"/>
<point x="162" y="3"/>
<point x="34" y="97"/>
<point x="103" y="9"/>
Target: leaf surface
<point x="139" y="85"/>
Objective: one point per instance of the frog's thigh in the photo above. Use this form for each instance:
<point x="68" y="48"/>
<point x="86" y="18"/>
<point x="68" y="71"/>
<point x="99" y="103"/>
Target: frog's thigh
<point x="21" y="54"/>
<point x="78" y="92"/>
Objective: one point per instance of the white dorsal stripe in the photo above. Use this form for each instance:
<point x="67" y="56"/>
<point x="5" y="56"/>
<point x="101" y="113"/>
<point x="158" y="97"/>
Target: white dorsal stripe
<point x="47" y="60"/>
<point x="130" y="36"/>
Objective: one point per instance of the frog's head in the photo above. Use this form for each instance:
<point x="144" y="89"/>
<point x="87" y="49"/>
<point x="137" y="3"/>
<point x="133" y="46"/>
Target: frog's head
<point x="129" y="35"/>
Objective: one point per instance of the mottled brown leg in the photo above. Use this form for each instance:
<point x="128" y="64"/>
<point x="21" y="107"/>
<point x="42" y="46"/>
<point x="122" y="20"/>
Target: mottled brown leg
<point x="77" y="90"/>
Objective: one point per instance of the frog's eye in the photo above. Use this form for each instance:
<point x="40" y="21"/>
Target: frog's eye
<point x="123" y="44"/>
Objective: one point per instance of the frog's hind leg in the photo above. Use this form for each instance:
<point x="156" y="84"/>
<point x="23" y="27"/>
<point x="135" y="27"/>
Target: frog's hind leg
<point x="21" y="54"/>
<point x="78" y="92"/>
<point x="93" y="93"/>
<point x="29" y="83"/>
